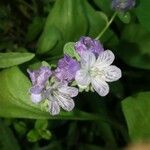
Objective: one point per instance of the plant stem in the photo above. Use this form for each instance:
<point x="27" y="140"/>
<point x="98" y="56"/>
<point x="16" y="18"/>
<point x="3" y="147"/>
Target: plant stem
<point x="106" y="27"/>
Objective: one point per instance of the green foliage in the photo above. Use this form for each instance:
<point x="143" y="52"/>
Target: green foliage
<point x="14" y="58"/>
<point x="124" y="17"/>
<point x="70" y="50"/>
<point x="41" y="124"/>
<point x="143" y="13"/>
<point x="104" y="5"/>
<point x="7" y="138"/>
<point x="20" y="127"/>
<point x="134" y="48"/>
<point x="34" y="29"/>
<point x="33" y="135"/>
<point x="39" y="131"/>
<point x="61" y="27"/>
<point x="137" y="114"/>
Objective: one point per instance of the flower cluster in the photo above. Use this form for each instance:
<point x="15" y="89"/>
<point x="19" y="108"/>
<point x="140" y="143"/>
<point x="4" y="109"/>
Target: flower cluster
<point x="123" y="5"/>
<point x="93" y="71"/>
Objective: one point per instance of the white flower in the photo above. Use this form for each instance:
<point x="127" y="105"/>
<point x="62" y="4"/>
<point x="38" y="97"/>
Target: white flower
<point x="60" y="95"/>
<point x="97" y="72"/>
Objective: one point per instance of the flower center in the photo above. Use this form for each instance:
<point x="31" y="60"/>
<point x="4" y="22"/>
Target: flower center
<point x="95" y="71"/>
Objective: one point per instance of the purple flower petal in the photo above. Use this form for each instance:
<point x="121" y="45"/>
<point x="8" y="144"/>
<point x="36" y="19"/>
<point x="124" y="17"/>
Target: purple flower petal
<point x="67" y="68"/>
<point x="88" y="44"/>
<point x="39" y="78"/>
<point x="123" y="5"/>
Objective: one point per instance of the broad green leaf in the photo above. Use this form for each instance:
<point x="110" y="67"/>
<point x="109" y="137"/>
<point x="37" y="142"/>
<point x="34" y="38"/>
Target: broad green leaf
<point x="104" y="5"/>
<point x="63" y="18"/>
<point x="143" y="13"/>
<point x="70" y="50"/>
<point x="15" y="100"/>
<point x="96" y="20"/>
<point x="14" y="58"/>
<point x="7" y="138"/>
<point x="48" y="40"/>
<point x="34" y="28"/>
<point x="109" y="39"/>
<point x="134" y="46"/>
<point x="136" y="109"/>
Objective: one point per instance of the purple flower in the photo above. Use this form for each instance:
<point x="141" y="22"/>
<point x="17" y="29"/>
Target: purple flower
<point x="123" y="5"/>
<point x="88" y="44"/>
<point x="39" y="78"/>
<point x="67" y="68"/>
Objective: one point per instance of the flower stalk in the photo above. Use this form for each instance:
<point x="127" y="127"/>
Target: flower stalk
<point x="107" y="26"/>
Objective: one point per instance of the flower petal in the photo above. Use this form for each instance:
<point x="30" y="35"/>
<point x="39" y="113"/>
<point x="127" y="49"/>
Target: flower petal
<point x="65" y="102"/>
<point x="87" y="60"/>
<point x="71" y="91"/>
<point x="105" y="58"/>
<point x="54" y="108"/>
<point x="37" y="89"/>
<point x="82" y="78"/>
<point x="112" y="73"/>
<point x="36" y="98"/>
<point x="100" y="86"/>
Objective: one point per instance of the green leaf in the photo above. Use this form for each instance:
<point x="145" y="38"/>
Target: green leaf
<point x="104" y="5"/>
<point x="63" y="18"/>
<point x="41" y="124"/>
<point x="70" y="50"/>
<point x="110" y="39"/>
<point x="143" y="13"/>
<point x="20" y="127"/>
<point x="34" y="28"/>
<point x="12" y="59"/>
<point x="48" y="40"/>
<point x="45" y="134"/>
<point x="44" y="63"/>
<point x="134" y="46"/>
<point x="15" y="100"/>
<point x="124" y="17"/>
<point x="96" y="20"/>
<point x="136" y="109"/>
<point x="7" y="138"/>
<point x="33" y="135"/>
<point x="14" y="96"/>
